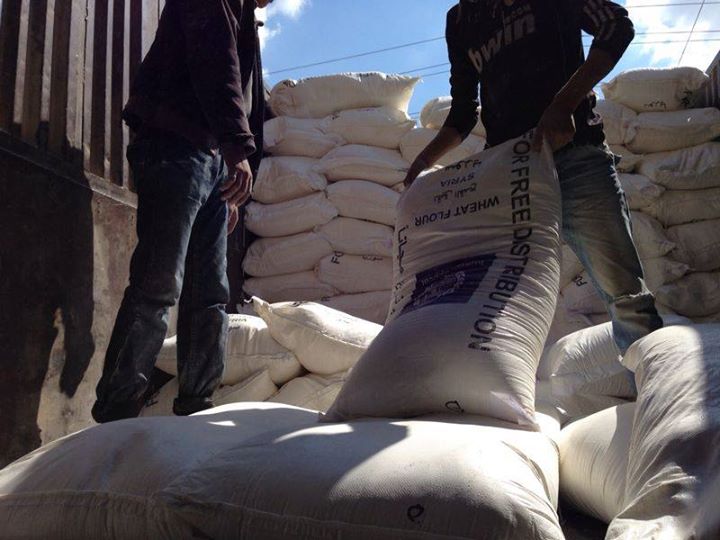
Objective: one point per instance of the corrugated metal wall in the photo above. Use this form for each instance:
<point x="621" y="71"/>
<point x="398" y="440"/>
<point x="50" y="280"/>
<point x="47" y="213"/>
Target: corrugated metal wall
<point x="65" y="70"/>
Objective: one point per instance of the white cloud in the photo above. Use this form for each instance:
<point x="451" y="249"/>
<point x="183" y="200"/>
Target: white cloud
<point x="676" y="21"/>
<point x="288" y="8"/>
<point x="279" y="8"/>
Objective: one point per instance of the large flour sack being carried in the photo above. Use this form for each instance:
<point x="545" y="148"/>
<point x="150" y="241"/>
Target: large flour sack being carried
<point x="475" y="283"/>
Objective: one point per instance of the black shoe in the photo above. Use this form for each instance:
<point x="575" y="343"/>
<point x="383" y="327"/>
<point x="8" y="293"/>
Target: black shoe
<point x="103" y="412"/>
<point x="188" y="406"/>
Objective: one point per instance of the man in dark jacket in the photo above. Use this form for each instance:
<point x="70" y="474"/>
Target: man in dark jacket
<point x="190" y="111"/>
<point x="528" y="58"/>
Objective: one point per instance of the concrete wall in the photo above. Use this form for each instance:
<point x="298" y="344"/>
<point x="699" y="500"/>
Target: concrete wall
<point x="64" y="256"/>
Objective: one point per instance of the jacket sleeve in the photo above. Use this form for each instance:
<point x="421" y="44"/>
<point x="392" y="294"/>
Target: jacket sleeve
<point x="210" y="33"/>
<point x="464" y="81"/>
<point x="608" y="23"/>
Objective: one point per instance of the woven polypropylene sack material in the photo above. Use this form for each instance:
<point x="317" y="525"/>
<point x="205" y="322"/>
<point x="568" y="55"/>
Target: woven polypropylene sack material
<point x="475" y="284"/>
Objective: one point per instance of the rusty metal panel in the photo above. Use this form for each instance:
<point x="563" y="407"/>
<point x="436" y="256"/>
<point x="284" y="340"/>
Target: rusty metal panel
<point x="66" y="67"/>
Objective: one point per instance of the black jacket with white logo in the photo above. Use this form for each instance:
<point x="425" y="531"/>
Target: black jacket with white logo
<point x="521" y="53"/>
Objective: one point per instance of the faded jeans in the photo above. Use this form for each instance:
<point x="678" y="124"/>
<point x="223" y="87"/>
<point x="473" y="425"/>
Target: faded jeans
<point x="181" y="254"/>
<point x="596" y="225"/>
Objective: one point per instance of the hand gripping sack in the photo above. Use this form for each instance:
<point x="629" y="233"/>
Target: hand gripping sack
<point x="475" y="283"/>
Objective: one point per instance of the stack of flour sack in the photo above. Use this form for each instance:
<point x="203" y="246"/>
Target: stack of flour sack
<point x="638" y="447"/>
<point x="324" y="202"/>
<point x="670" y="171"/>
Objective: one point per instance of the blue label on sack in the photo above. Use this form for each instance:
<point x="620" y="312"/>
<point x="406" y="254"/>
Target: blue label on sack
<point x="450" y="283"/>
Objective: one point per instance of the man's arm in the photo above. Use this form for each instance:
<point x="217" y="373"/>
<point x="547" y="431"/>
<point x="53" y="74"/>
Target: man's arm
<point x="463" y="116"/>
<point x="613" y="31"/>
<point x="211" y="51"/>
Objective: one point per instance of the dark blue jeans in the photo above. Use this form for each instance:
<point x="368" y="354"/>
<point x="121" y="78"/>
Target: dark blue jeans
<point x="181" y="254"/>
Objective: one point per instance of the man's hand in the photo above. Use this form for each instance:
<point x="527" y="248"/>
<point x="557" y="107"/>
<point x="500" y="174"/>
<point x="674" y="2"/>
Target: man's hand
<point x="417" y="167"/>
<point x="237" y="188"/>
<point x="233" y="218"/>
<point x="556" y="125"/>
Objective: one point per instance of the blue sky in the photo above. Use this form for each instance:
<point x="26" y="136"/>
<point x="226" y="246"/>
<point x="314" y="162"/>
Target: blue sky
<point x="300" y="32"/>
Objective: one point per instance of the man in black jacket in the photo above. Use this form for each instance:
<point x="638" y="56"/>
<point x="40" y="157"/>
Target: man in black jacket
<point x="192" y="104"/>
<point x="528" y="58"/>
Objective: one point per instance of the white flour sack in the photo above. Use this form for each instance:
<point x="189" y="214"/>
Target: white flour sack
<point x="698" y="244"/>
<point x="436" y="111"/>
<point x="357" y="237"/>
<point x="364" y="200"/>
<point x="673" y="475"/>
<point x="661" y="270"/>
<point x="301" y="286"/>
<point x="287" y="136"/>
<point x="628" y="160"/>
<point x="379" y="479"/>
<point x="324" y="340"/>
<point x="257" y="387"/>
<point x="359" y="162"/>
<point x="678" y="207"/>
<point x="356" y="273"/>
<point x="587" y="373"/>
<point x="282" y="179"/>
<point x="616" y="120"/>
<point x="317" y="97"/>
<point x="250" y="348"/>
<point x="370" y="306"/>
<point x="290" y="217"/>
<point x="692" y="168"/>
<point x="581" y="296"/>
<point x="649" y="236"/>
<point x="377" y="126"/>
<point x="416" y="140"/>
<point x="476" y="279"/>
<point x="570" y="265"/>
<point x="593" y="461"/>
<point x="695" y="295"/>
<point x="666" y="131"/>
<point x="310" y="392"/>
<point x="649" y="89"/>
<point x="285" y="255"/>
<point x="639" y="190"/>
